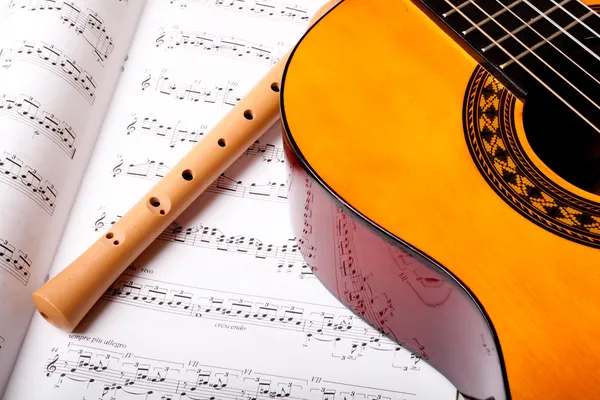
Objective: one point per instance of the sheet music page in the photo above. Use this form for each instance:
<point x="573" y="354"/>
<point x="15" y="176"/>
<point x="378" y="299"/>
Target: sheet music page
<point x="221" y="306"/>
<point x="59" y="64"/>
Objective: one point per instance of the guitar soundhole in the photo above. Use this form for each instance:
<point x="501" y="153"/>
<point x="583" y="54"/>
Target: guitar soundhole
<point x="560" y="138"/>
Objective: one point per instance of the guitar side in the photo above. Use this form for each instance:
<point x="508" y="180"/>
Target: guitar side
<point x="403" y="220"/>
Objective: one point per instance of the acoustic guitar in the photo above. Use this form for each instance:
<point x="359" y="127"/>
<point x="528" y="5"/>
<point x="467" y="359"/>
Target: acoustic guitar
<point x="446" y="183"/>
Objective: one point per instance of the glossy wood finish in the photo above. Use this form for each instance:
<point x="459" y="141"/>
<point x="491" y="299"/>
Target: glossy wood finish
<point x="375" y="108"/>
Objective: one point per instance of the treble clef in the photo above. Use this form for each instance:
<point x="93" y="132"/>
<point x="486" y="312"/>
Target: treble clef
<point x="160" y="39"/>
<point x="51" y="367"/>
<point x="99" y="224"/>
<point x="146" y="82"/>
<point x="131" y="126"/>
<point x="117" y="169"/>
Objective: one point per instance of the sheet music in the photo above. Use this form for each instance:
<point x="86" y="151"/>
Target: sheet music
<point x="59" y="64"/>
<point x="222" y="305"/>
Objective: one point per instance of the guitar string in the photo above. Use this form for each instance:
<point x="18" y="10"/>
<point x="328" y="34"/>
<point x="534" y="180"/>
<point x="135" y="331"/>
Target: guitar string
<point x="527" y="69"/>
<point x="581" y="22"/>
<point x="527" y="25"/>
<point x="541" y="14"/>
<point x="547" y="40"/>
<point x="565" y="32"/>
<point x="540" y="58"/>
<point x="517" y="30"/>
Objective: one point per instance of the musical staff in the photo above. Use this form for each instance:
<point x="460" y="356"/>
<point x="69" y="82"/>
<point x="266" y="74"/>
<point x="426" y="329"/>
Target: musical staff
<point x="213" y="238"/>
<point x="155" y="170"/>
<point x="172" y="132"/>
<point x="259" y="8"/>
<point x="49" y="57"/>
<point x="226" y="46"/>
<point x="27" y="110"/>
<point x="116" y="375"/>
<point x="14" y="261"/>
<point x="311" y="324"/>
<point x="86" y="23"/>
<point x="175" y="134"/>
<point x="28" y="181"/>
<point x="223" y="94"/>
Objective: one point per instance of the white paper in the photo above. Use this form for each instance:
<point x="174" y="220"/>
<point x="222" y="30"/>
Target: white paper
<point x="220" y="306"/>
<point x="59" y="64"/>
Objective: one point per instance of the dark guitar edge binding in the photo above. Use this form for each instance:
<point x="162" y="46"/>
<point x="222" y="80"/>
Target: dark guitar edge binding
<point x="374" y="227"/>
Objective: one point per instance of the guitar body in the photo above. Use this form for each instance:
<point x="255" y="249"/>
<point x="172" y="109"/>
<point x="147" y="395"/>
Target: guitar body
<point x="422" y="203"/>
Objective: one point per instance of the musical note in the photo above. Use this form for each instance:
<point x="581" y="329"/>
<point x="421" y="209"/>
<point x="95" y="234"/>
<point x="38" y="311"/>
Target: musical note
<point x="353" y="285"/>
<point x="49" y="57"/>
<point x="259" y="8"/>
<point x="27" y="180"/>
<point x="223" y="94"/>
<point x="173" y="132"/>
<point x="27" y="110"/>
<point x="129" y="374"/>
<point x="270" y="191"/>
<point x="176" y="133"/>
<point x="227" y="46"/>
<point x="15" y="262"/>
<point x="86" y="23"/>
<point x="311" y="324"/>
<point x="213" y="238"/>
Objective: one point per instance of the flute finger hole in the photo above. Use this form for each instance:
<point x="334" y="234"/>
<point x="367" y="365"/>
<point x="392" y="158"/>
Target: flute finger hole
<point x="116" y="242"/>
<point x="249" y="115"/>
<point x="159" y="204"/>
<point x="275" y="86"/>
<point x="221" y="142"/>
<point x="154" y="202"/>
<point x="110" y="235"/>
<point x="187" y="175"/>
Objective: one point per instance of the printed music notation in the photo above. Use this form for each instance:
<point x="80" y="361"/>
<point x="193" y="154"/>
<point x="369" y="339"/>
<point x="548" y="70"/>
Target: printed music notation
<point x="27" y="110"/>
<point x="86" y="23"/>
<point x="429" y="287"/>
<point x="27" y="180"/>
<point x="213" y="238"/>
<point x="14" y="261"/>
<point x="352" y="285"/>
<point x="212" y="93"/>
<point x="52" y="59"/>
<point x="105" y="368"/>
<point x="172" y="132"/>
<point x="312" y="324"/>
<point x="227" y="46"/>
<point x="154" y="171"/>
<point x="260" y="8"/>
<point x="175" y="133"/>
<point x="354" y="288"/>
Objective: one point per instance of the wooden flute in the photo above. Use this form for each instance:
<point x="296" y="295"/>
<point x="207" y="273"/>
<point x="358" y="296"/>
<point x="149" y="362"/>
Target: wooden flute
<point x="65" y="299"/>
